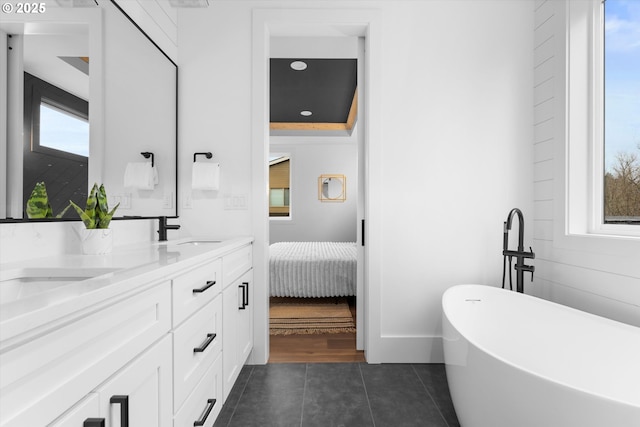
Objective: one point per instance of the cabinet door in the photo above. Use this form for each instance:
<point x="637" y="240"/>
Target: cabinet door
<point x="230" y="340"/>
<point x="89" y="407"/>
<point x="245" y="318"/>
<point x="204" y="403"/>
<point x="237" y="327"/>
<point x="196" y="344"/>
<point x="140" y="394"/>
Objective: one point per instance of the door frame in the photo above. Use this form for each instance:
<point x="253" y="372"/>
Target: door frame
<point x="269" y="23"/>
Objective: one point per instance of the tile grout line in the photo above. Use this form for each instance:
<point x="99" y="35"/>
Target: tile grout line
<point x="366" y="395"/>
<point x="429" y="394"/>
<point x="304" y="392"/>
<point x="240" y="397"/>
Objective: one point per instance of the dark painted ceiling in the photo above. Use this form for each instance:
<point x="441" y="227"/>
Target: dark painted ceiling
<point x="326" y="88"/>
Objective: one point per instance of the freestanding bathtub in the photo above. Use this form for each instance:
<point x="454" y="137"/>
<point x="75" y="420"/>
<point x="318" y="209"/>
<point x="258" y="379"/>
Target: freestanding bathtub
<point x="514" y="360"/>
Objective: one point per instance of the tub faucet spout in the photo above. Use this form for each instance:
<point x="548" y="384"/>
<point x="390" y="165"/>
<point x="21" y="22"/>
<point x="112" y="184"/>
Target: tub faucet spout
<point x="520" y="254"/>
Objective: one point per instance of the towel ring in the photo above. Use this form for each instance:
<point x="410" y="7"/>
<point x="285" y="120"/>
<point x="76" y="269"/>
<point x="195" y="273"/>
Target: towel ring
<point x="147" y="154"/>
<point x="208" y="155"/>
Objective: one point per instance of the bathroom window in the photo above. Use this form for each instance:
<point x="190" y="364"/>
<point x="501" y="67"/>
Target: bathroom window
<point x="58" y="120"/>
<point x="63" y="131"/>
<point x="621" y="111"/>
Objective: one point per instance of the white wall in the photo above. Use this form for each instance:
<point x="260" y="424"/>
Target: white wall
<point x="32" y="240"/>
<point x="311" y="219"/>
<point x="456" y="84"/>
<point x="596" y="274"/>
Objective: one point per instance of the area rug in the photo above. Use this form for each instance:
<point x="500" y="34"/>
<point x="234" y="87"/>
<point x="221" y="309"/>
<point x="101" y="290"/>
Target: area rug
<point x="289" y="316"/>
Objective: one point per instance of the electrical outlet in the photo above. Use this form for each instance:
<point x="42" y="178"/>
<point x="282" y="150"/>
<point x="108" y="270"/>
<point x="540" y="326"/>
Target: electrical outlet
<point x="167" y="201"/>
<point x="123" y="199"/>
<point x="186" y="203"/>
<point x="237" y="202"/>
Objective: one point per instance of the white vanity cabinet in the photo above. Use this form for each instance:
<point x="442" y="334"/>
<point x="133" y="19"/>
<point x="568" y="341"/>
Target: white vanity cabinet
<point x="162" y="349"/>
<point x="220" y="327"/>
<point x="66" y="364"/>
<point x="138" y="395"/>
<point x="197" y="345"/>
<point x="237" y="314"/>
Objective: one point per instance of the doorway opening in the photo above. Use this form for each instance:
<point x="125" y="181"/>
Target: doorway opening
<point x="314" y="249"/>
<point x="364" y="24"/>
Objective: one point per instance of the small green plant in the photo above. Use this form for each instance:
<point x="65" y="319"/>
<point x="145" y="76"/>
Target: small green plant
<point x="38" y="205"/>
<point x="96" y="214"/>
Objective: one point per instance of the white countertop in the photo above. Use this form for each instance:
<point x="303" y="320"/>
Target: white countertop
<point x="134" y="268"/>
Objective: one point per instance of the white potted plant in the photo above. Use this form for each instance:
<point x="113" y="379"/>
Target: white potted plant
<point x="96" y="237"/>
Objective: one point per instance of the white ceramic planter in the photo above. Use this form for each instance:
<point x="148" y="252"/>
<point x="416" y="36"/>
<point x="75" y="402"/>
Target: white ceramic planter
<point x="97" y="241"/>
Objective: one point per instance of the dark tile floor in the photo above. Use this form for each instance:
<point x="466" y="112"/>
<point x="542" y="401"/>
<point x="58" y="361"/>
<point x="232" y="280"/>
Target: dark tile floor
<point x="339" y="394"/>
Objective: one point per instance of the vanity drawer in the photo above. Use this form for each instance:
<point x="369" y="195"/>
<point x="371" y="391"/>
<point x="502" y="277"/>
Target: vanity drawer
<point x="195" y="288"/>
<point x="42" y="378"/>
<point x="206" y="400"/>
<point x="236" y="264"/>
<point x="196" y="344"/>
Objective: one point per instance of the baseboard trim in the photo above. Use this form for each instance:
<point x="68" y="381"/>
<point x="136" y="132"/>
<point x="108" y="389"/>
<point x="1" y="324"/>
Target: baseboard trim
<point x="398" y="349"/>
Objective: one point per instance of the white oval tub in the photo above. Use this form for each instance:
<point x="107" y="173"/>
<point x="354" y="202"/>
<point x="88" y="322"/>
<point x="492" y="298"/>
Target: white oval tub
<point x="514" y="360"/>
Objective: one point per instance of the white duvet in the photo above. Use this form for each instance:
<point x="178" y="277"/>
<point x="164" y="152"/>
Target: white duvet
<point x="312" y="269"/>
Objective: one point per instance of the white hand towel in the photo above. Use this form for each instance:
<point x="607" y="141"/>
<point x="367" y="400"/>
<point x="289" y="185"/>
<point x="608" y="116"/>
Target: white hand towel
<point x="205" y="176"/>
<point x="140" y="175"/>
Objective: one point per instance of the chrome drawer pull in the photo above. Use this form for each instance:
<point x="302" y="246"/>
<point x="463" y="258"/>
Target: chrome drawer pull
<point x="209" y="284"/>
<point x="205" y="344"/>
<point x="210" y="404"/>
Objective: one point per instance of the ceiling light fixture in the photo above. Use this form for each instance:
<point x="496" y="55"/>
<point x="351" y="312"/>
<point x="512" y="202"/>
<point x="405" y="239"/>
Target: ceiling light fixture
<point x="299" y="65"/>
<point x="189" y="3"/>
<point x="306" y="113"/>
<point x="77" y="3"/>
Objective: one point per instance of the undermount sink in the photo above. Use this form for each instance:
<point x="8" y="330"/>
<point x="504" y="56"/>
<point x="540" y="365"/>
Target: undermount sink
<point x="199" y="242"/>
<point x="26" y="282"/>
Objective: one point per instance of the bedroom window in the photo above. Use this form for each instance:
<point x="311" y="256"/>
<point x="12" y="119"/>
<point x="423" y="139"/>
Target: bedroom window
<point x="621" y="111"/>
<point x="279" y="186"/>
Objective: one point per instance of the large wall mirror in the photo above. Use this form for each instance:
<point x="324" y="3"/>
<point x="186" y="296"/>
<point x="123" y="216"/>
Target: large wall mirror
<point x="86" y="93"/>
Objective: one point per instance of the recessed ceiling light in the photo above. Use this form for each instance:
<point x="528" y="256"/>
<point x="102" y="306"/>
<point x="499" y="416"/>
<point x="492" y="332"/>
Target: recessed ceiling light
<point x="189" y="3"/>
<point x="299" y="65"/>
<point x="306" y="113"/>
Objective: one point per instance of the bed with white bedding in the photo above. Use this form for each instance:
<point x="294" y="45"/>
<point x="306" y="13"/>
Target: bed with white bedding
<point x="312" y="269"/>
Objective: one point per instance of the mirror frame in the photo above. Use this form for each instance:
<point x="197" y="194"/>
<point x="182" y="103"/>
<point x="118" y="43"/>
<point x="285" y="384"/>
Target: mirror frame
<point x="325" y="197"/>
<point x="97" y="128"/>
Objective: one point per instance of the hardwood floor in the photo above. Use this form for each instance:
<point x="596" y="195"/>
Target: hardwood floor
<point x="320" y="348"/>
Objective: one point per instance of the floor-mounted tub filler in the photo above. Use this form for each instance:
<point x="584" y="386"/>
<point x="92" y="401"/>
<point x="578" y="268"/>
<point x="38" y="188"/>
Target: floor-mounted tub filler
<point x="517" y="360"/>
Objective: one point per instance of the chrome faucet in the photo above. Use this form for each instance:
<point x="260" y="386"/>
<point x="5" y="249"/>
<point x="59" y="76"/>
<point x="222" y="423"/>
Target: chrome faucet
<point x="519" y="254"/>
<point x="163" y="227"/>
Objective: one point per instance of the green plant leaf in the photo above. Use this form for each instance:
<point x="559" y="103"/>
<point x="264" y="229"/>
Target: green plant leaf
<point x="96" y="215"/>
<point x="104" y="222"/>
<point x="92" y="202"/>
<point x="64" y="211"/>
<point x="89" y="221"/>
<point x="38" y="204"/>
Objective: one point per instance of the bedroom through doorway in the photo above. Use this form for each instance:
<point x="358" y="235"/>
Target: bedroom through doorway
<point x="315" y="199"/>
